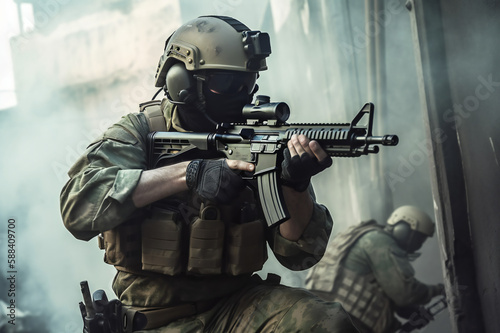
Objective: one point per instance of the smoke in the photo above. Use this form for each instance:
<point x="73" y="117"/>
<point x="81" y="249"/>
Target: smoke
<point x="49" y="262"/>
<point x="73" y="80"/>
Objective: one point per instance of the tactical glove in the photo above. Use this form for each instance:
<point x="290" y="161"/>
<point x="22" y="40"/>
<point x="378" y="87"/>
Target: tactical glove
<point x="407" y="311"/>
<point x="213" y="180"/>
<point x="296" y="172"/>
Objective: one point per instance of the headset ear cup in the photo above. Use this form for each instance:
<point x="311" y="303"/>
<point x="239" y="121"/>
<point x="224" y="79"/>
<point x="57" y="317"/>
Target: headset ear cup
<point x="183" y="95"/>
<point x="402" y="233"/>
<point x="179" y="83"/>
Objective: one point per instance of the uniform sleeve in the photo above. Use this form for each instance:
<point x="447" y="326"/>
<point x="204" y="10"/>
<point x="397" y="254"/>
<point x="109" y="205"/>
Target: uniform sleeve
<point x="309" y="249"/>
<point x="394" y="273"/>
<point x="97" y="196"/>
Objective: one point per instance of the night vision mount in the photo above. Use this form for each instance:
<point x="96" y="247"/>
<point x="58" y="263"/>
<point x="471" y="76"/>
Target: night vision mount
<point x="257" y="46"/>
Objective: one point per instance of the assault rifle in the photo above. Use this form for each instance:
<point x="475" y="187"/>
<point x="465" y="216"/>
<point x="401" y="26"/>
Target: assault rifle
<point x="261" y="140"/>
<point x="423" y="316"/>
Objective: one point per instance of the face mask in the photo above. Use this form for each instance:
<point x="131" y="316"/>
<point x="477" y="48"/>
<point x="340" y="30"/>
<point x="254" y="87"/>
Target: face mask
<point x="415" y="242"/>
<point x="226" y="108"/>
<point x="192" y="119"/>
<point x="219" y="108"/>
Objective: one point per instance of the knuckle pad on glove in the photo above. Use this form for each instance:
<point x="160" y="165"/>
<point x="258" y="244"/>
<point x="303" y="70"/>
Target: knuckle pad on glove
<point x="210" y="181"/>
<point x="215" y="181"/>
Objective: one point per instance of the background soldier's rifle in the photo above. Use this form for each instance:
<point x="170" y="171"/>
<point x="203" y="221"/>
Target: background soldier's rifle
<point x="423" y="316"/>
<point x="261" y="140"/>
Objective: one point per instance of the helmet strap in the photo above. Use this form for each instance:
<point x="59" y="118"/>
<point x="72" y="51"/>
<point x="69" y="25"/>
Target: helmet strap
<point x="200" y="103"/>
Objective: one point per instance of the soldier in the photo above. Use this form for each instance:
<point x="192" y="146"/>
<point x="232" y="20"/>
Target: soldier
<point x="367" y="269"/>
<point x="186" y="238"/>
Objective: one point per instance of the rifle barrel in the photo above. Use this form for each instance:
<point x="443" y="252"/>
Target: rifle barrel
<point x="386" y="140"/>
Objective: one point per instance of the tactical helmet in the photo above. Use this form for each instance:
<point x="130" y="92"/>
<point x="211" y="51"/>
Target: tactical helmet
<point x="410" y="226"/>
<point x="211" y="43"/>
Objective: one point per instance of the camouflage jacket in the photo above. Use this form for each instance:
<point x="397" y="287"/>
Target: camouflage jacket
<point x="97" y="198"/>
<point x="370" y="263"/>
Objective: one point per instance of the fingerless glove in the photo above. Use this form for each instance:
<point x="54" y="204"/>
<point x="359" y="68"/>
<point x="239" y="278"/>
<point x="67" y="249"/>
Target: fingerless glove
<point x="296" y="172"/>
<point x="213" y="180"/>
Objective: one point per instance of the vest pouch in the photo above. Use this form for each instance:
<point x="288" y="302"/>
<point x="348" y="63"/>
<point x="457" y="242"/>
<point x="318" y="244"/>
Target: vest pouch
<point x="246" y="248"/>
<point x="161" y="242"/>
<point x="122" y="245"/>
<point x="206" y="243"/>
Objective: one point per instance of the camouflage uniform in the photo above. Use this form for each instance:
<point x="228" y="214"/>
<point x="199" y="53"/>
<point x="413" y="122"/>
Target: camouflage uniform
<point x="371" y="276"/>
<point x="98" y="198"/>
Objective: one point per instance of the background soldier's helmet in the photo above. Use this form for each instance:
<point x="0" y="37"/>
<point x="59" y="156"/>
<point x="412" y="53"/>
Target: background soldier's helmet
<point x="410" y="226"/>
<point x="210" y="43"/>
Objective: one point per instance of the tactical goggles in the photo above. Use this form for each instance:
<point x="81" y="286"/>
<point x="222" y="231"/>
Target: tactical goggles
<point x="228" y="82"/>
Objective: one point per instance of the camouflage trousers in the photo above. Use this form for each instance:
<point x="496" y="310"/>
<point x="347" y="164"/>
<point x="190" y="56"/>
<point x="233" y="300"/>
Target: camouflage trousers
<point x="266" y="308"/>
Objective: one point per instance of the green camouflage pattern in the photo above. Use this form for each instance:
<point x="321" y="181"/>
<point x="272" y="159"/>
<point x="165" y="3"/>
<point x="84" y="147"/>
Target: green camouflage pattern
<point x="266" y="308"/>
<point x="375" y="254"/>
<point x="378" y="253"/>
<point x="97" y="198"/>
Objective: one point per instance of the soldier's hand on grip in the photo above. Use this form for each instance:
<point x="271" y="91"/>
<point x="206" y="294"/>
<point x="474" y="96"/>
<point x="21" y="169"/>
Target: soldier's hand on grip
<point x="215" y="180"/>
<point x="302" y="160"/>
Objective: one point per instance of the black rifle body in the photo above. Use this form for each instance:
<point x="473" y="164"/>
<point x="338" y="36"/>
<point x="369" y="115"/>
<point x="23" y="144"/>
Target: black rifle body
<point x="261" y="140"/>
<point x="424" y="316"/>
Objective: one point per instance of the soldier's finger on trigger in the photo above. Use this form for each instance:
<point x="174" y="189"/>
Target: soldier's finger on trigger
<point x="240" y="165"/>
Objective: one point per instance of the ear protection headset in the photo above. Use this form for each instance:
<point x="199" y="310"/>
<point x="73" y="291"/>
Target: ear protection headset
<point x="180" y="84"/>
<point x="410" y="227"/>
<point x="408" y="239"/>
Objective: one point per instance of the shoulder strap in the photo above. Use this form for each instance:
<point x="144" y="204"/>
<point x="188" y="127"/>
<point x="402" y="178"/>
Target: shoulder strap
<point x="154" y="115"/>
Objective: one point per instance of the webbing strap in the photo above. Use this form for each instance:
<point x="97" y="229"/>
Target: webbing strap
<point x="159" y="260"/>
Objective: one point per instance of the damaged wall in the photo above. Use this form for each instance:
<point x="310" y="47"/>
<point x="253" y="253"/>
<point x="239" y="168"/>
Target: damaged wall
<point x="456" y="47"/>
